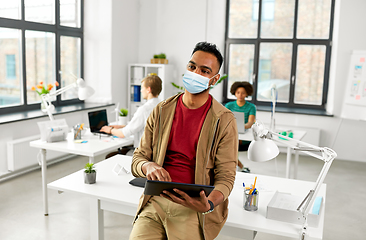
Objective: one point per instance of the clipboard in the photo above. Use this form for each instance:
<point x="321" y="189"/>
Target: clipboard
<point x="155" y="188"/>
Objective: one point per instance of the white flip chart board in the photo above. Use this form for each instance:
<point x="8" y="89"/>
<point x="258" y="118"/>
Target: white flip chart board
<point x="354" y="106"/>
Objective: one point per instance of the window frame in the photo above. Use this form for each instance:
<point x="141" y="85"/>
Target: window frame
<point x="59" y="30"/>
<point x="295" y="43"/>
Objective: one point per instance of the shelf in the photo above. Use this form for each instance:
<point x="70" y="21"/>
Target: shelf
<point x="138" y="71"/>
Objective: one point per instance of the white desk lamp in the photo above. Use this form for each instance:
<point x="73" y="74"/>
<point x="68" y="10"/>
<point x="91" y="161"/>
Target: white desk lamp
<point x="262" y="148"/>
<point x="84" y="92"/>
<point x="117" y="111"/>
<point x="271" y="94"/>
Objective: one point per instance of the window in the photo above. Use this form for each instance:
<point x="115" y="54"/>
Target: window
<point x="286" y="43"/>
<point x="10" y="66"/>
<point x="41" y="41"/>
<point x="268" y="10"/>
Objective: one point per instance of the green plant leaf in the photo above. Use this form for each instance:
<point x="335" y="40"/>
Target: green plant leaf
<point x="123" y="112"/>
<point x="89" y="168"/>
<point x="162" y="56"/>
<point x="177" y="86"/>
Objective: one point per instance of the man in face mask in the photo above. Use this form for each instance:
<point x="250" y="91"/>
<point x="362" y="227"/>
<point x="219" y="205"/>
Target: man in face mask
<point x="188" y="138"/>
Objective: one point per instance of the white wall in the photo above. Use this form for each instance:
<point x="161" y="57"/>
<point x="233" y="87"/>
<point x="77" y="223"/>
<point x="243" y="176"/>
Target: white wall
<point x="98" y="48"/>
<point x="125" y="22"/>
<point x="111" y="42"/>
<point x="174" y="27"/>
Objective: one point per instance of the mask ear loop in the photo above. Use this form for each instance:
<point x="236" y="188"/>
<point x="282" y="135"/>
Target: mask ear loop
<point x="211" y="86"/>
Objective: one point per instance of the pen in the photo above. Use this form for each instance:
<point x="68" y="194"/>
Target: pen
<point x="246" y="188"/>
<point x="253" y="199"/>
<point x="251" y="191"/>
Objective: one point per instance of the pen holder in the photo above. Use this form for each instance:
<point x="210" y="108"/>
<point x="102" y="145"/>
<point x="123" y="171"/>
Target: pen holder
<point x="250" y="200"/>
<point x="76" y="133"/>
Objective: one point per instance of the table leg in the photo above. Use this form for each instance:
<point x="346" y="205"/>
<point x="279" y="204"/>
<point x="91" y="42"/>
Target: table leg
<point x="44" y="180"/>
<point x="91" y="159"/>
<point x="96" y="220"/>
<point x="288" y="162"/>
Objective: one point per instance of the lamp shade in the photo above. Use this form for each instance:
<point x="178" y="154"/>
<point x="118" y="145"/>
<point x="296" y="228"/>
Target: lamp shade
<point x="262" y="150"/>
<point x="84" y="91"/>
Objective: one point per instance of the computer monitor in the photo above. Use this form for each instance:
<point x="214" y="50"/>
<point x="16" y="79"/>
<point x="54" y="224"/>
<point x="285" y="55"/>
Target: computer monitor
<point x="240" y="121"/>
<point x="97" y="119"/>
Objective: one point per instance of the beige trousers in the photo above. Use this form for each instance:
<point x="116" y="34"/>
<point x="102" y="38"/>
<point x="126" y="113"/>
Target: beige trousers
<point x="163" y="219"/>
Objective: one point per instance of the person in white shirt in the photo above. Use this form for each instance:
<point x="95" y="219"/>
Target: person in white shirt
<point x="150" y="89"/>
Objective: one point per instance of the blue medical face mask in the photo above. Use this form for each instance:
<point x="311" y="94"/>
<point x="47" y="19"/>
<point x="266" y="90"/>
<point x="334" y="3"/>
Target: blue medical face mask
<point x="195" y="83"/>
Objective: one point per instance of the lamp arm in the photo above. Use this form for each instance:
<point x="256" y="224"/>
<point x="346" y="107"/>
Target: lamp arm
<point x="46" y="102"/>
<point x="329" y="155"/>
<point x="309" y="199"/>
<point x="274" y="97"/>
<point x="62" y="90"/>
<point x="312" y="147"/>
<point x="46" y="98"/>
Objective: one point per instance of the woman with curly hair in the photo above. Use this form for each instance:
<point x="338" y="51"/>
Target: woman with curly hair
<point x="241" y="90"/>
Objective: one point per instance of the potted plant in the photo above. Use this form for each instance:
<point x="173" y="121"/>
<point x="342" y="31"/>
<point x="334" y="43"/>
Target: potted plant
<point x="90" y="174"/>
<point x="122" y="120"/>
<point x="159" y="58"/>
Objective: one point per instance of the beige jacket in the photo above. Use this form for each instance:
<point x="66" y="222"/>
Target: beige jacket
<point x="216" y="158"/>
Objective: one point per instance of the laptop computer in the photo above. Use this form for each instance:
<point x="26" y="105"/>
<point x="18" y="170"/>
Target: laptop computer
<point x="98" y="119"/>
<point x="240" y="121"/>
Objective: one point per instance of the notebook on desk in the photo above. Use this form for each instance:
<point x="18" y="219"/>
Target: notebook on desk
<point x="98" y="119"/>
<point x="240" y="121"/>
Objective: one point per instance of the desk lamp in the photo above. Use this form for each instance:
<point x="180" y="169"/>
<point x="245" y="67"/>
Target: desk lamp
<point x="271" y="94"/>
<point x="84" y="92"/>
<point x="263" y="149"/>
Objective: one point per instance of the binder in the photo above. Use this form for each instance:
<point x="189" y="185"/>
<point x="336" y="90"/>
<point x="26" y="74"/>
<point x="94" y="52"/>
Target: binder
<point x="136" y="93"/>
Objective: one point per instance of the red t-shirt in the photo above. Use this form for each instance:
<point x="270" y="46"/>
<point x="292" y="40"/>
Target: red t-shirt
<point x="180" y="159"/>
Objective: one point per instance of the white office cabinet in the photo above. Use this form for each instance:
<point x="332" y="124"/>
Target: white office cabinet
<point x="136" y="72"/>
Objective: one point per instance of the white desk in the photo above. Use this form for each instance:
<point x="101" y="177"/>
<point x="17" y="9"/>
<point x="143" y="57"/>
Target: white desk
<point x="298" y="135"/>
<point x="114" y="193"/>
<point x="94" y="147"/>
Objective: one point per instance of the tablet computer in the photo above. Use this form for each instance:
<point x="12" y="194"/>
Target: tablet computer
<point x="138" y="182"/>
<point x="155" y="188"/>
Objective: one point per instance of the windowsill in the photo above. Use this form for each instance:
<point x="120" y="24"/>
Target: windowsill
<point x="305" y="111"/>
<point x="32" y="114"/>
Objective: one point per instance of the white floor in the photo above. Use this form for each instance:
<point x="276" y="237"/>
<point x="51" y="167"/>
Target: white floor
<point x="21" y="209"/>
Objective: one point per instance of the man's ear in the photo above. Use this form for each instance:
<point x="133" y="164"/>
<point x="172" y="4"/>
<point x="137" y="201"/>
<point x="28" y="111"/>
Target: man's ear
<point x="148" y="90"/>
<point x="215" y="79"/>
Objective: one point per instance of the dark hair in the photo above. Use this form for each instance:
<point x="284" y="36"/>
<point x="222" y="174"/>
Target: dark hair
<point x="210" y="48"/>
<point x="154" y="82"/>
<point x="246" y="85"/>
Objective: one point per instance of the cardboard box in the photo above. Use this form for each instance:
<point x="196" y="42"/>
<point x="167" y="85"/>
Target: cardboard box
<point x="282" y="207"/>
